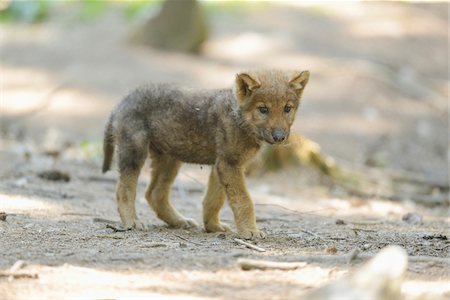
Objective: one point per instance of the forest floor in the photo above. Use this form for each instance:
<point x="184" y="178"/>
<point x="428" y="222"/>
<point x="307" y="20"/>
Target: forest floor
<point x="380" y="111"/>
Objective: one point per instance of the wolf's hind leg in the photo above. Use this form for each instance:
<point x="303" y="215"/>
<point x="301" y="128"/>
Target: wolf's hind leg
<point x="213" y="203"/>
<point x="131" y="159"/>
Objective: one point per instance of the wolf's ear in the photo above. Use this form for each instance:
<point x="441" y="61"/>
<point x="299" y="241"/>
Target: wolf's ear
<point x="299" y="81"/>
<point x="246" y="84"/>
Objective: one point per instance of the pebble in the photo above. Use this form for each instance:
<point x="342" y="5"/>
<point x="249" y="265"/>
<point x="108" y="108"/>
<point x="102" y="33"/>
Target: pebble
<point x="221" y="236"/>
<point x="412" y="218"/>
<point x="340" y="222"/>
<point x="331" y="249"/>
<point x="366" y="246"/>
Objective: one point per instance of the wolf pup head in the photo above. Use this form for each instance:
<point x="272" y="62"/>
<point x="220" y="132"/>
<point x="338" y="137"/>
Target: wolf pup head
<point x="269" y="100"/>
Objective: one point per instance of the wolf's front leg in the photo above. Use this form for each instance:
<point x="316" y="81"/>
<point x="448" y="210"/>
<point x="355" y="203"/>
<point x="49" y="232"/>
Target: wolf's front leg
<point x="232" y="178"/>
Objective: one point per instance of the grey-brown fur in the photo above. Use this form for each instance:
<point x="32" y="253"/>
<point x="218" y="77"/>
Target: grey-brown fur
<point x="224" y="128"/>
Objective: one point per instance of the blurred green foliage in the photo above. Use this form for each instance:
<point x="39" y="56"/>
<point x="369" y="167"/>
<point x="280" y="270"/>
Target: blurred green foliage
<point x="139" y="9"/>
<point x="24" y="11"/>
<point x="91" y="9"/>
<point x="92" y="149"/>
<point x="213" y="8"/>
<point x="33" y="11"/>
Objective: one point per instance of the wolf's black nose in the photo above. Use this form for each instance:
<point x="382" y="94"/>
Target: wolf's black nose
<point x="278" y="135"/>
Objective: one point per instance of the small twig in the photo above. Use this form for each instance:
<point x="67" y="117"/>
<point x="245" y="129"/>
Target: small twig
<point x="248" y="245"/>
<point x="338" y="238"/>
<point x="251" y="264"/>
<point x="110" y="236"/>
<point x="77" y="214"/>
<point x="314" y="234"/>
<point x="353" y="255"/>
<point x="362" y="229"/>
<point x="20" y="264"/>
<point x="115" y="229"/>
<point x="18" y="275"/>
<point x="363" y="222"/>
<point x="292" y="210"/>
<point x="185" y="239"/>
<point x="343" y="259"/>
<point x="102" y="220"/>
<point x="153" y="245"/>
<point x="193" y="178"/>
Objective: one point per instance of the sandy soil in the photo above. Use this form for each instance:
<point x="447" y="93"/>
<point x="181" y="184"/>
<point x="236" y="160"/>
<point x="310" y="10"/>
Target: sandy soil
<point x="376" y="103"/>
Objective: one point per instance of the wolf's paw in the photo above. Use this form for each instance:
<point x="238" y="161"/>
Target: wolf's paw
<point x="217" y="227"/>
<point x="251" y="234"/>
<point x="184" y="223"/>
<point x="135" y="224"/>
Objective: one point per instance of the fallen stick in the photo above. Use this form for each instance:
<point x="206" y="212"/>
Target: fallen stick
<point x="20" y="264"/>
<point x="77" y="214"/>
<point x="292" y="210"/>
<point x="354" y="222"/>
<point x="19" y="275"/>
<point x="251" y="264"/>
<point x="185" y="239"/>
<point x="102" y="220"/>
<point x="313" y="234"/>
<point x="248" y="245"/>
<point x="344" y="259"/>
<point x="115" y="229"/>
<point x="362" y="229"/>
<point x="353" y="255"/>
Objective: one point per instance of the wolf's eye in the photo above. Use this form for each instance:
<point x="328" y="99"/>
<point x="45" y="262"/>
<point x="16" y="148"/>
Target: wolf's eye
<point x="287" y="108"/>
<point x="263" y="109"/>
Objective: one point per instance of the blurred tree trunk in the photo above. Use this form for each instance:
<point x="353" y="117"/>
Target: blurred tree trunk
<point x="180" y="26"/>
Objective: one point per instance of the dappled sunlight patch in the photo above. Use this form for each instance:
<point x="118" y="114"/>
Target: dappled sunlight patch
<point x="243" y="46"/>
<point x="22" y="204"/>
<point x="363" y="207"/>
<point x="69" y="281"/>
<point x="19" y="96"/>
<point x="416" y="288"/>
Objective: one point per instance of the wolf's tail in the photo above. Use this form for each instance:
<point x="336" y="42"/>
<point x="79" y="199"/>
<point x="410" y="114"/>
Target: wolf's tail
<point x="108" y="145"/>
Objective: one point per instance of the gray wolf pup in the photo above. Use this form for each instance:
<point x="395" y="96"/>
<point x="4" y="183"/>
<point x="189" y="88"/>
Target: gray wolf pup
<point x="223" y="128"/>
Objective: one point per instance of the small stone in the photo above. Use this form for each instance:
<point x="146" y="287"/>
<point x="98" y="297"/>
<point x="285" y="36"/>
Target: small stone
<point x="412" y="218"/>
<point x="183" y="245"/>
<point x="340" y="222"/>
<point x="366" y="246"/>
<point x="54" y="175"/>
<point x="21" y="182"/>
<point x="331" y="249"/>
<point x="221" y="236"/>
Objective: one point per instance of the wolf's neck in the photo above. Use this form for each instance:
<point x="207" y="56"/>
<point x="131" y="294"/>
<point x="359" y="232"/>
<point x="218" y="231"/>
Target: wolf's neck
<point x="242" y="124"/>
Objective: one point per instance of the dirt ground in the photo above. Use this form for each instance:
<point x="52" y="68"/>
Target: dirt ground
<point x="376" y="103"/>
